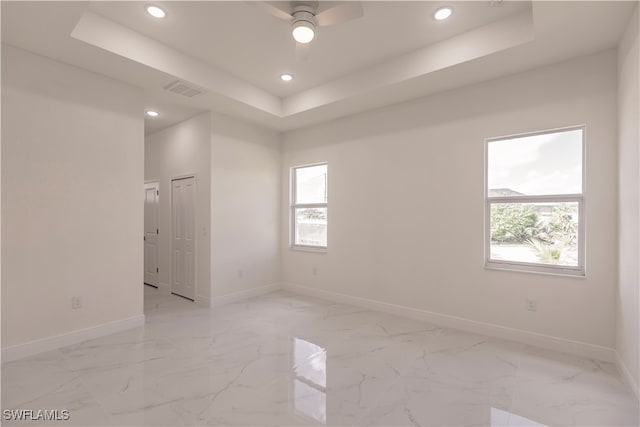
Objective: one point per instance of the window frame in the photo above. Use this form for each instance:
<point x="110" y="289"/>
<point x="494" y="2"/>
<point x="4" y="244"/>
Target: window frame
<point x="580" y="199"/>
<point x="293" y="205"/>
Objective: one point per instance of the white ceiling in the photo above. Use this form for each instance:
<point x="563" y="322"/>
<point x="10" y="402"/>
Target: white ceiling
<point x="236" y="52"/>
<point x="254" y="46"/>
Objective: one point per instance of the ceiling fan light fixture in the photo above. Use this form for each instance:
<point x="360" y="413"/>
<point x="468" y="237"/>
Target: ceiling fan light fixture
<point x="442" y="13"/>
<point x="303" y="31"/>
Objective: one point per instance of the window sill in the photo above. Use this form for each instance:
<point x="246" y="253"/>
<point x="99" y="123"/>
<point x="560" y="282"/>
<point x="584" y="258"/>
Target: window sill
<point x="313" y="249"/>
<point x="575" y="274"/>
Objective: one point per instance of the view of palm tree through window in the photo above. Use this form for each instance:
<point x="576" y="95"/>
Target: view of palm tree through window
<point x="534" y="198"/>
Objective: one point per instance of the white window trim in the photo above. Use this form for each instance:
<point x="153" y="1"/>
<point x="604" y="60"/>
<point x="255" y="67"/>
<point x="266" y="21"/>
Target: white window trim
<point x="293" y="206"/>
<point x="580" y="269"/>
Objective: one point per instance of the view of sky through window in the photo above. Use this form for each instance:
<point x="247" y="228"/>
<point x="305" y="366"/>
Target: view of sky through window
<point x="545" y="164"/>
<point x="311" y="184"/>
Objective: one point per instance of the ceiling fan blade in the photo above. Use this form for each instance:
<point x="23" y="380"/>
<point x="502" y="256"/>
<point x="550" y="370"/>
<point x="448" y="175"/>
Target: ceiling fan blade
<point x="340" y="13"/>
<point x="277" y="9"/>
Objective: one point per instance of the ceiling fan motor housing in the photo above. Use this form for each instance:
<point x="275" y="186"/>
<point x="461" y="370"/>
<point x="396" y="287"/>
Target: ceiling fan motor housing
<point x="304" y="14"/>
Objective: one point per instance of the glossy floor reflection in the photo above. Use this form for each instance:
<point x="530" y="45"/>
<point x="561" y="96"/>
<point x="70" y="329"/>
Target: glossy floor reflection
<point x="285" y="359"/>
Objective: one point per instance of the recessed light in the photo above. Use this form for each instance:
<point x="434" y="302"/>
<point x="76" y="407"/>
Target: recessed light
<point x="303" y="31"/>
<point x="443" y="13"/>
<point x="155" y="11"/>
<point x="152" y="113"/>
<point x="286" y="77"/>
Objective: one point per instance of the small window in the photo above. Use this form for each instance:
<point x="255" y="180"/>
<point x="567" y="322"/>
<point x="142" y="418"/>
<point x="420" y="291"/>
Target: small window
<point x="309" y="206"/>
<point x="535" y="202"/>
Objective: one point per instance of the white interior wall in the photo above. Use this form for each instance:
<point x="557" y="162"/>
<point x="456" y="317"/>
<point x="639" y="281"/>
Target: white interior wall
<point x="180" y="150"/>
<point x="406" y="202"/>
<point x="245" y="214"/>
<point x="628" y="319"/>
<point x="72" y="210"/>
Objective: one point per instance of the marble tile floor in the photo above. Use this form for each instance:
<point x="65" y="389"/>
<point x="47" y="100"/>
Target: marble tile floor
<point x="284" y="359"/>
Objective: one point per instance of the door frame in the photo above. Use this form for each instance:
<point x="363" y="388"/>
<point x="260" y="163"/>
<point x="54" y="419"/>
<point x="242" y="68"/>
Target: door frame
<point x="196" y="239"/>
<point x="158" y="284"/>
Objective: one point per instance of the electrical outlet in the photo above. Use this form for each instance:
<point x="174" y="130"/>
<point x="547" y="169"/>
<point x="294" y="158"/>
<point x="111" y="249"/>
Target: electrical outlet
<point x="532" y="305"/>
<point x="315" y="271"/>
<point x="76" y="303"/>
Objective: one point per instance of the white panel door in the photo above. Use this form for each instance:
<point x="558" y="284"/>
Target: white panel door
<point x="183" y="199"/>
<point x="151" y="199"/>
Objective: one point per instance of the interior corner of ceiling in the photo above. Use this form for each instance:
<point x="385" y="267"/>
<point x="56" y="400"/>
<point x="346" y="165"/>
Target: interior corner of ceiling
<point x="83" y="26"/>
<point x="111" y="36"/>
<point x="75" y="32"/>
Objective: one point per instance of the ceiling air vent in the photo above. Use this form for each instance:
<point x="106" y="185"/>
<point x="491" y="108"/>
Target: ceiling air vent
<point x="184" y="88"/>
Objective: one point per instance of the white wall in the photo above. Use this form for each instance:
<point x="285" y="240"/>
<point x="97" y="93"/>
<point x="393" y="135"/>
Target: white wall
<point x="406" y="207"/>
<point x="245" y="214"/>
<point x="180" y="150"/>
<point x="629" y="196"/>
<point x="72" y="208"/>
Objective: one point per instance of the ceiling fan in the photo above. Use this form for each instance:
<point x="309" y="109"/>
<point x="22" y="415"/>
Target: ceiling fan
<point x="305" y="16"/>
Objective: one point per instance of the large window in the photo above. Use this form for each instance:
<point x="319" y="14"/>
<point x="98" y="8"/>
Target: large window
<point x="535" y="202"/>
<point x="309" y="207"/>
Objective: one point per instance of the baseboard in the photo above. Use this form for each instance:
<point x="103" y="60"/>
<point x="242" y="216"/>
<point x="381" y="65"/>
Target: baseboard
<point x="633" y="382"/>
<point x="532" y="338"/>
<point x="30" y="348"/>
<point x="244" y="294"/>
